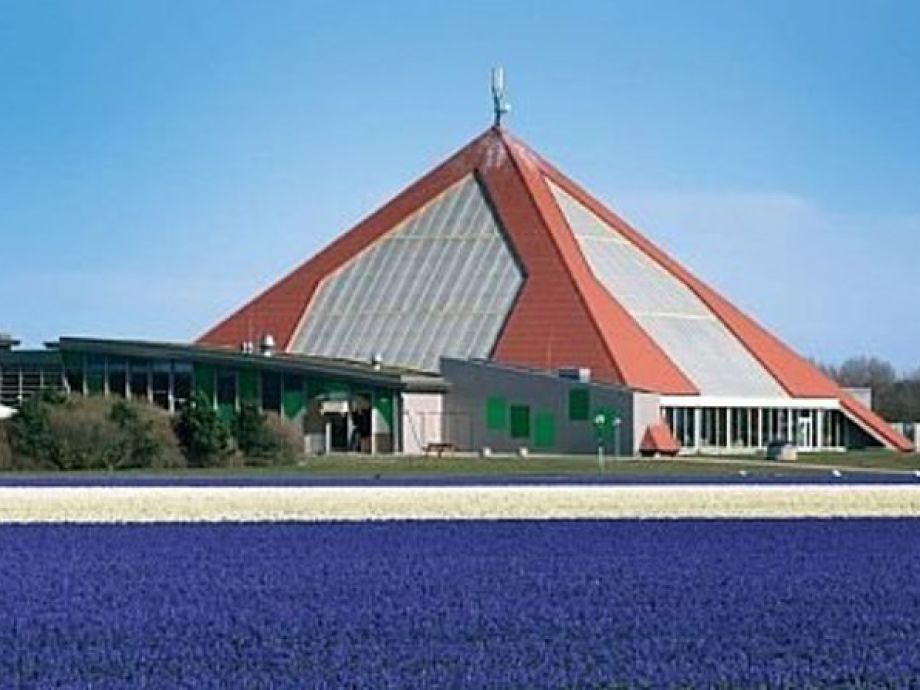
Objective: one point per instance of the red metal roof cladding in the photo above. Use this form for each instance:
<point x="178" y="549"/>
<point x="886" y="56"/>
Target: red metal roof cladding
<point x="659" y="439"/>
<point x="563" y="315"/>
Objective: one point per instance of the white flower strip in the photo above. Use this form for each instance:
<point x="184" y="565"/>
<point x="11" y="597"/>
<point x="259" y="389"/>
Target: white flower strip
<point x="212" y="504"/>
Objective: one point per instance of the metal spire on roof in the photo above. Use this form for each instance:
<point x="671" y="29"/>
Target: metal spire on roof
<point x="499" y="105"/>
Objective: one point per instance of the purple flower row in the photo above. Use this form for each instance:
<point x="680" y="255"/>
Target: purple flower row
<point x="462" y="604"/>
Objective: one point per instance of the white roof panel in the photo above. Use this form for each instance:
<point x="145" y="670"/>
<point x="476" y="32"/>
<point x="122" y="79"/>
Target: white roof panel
<point x="680" y="323"/>
<point x="441" y="283"/>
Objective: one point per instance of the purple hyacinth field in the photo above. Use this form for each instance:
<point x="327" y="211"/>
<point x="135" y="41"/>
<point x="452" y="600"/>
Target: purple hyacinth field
<point x="588" y="604"/>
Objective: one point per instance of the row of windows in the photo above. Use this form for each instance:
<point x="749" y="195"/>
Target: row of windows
<point x="170" y="383"/>
<point x="745" y="427"/>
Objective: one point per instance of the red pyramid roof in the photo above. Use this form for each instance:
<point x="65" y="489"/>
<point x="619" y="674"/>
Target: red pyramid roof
<point x="563" y="315"/>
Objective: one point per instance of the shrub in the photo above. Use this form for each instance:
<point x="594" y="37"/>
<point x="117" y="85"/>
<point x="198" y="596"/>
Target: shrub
<point x="266" y="438"/>
<point x="288" y="438"/>
<point x="30" y="438"/>
<point x="91" y="433"/>
<point x="252" y="434"/>
<point x="202" y="435"/>
<point x="6" y="451"/>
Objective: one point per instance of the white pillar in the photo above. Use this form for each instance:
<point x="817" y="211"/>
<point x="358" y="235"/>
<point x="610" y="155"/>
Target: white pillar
<point x="729" y="426"/>
<point x="697" y="428"/>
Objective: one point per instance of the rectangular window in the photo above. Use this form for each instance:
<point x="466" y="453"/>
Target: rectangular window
<point x="160" y="383"/>
<point x="73" y="371"/>
<point x="544" y="430"/>
<point x="271" y="391"/>
<point x="519" y="418"/>
<point x="95" y="374"/>
<point x="138" y="379"/>
<point x="118" y="377"/>
<point x="496" y="414"/>
<point x="226" y="388"/>
<point x="182" y="382"/>
<point x="579" y="404"/>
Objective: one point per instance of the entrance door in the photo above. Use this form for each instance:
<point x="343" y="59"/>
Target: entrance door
<point x="803" y="438"/>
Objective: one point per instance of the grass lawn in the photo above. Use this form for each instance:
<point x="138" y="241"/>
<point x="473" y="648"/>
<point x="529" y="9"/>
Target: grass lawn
<point x="555" y="466"/>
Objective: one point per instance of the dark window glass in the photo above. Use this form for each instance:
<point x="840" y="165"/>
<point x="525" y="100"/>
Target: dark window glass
<point x="519" y="419"/>
<point x="226" y="388"/>
<point x="118" y="377"/>
<point x="271" y="391"/>
<point x="95" y="374"/>
<point x="160" y="384"/>
<point x="182" y="382"/>
<point x="137" y="378"/>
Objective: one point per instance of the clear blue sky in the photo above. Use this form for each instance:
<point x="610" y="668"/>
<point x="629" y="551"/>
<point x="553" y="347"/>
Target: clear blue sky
<point x="161" y="162"/>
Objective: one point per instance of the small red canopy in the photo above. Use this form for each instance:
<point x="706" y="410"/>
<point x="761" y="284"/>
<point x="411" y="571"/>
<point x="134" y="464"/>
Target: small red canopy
<point x="659" y="440"/>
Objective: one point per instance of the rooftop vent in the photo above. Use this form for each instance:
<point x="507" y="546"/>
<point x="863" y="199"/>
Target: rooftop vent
<point x="267" y="345"/>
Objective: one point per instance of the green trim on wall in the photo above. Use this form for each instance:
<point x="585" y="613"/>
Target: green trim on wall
<point x="579" y="404"/>
<point x="544" y="434"/>
<point x="496" y="413"/>
<point x="519" y="421"/>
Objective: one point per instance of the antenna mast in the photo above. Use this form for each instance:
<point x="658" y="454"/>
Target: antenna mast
<point x="499" y="105"/>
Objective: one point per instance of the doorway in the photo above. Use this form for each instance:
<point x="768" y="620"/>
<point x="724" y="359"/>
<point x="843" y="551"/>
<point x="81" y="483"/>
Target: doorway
<point x="804" y="433"/>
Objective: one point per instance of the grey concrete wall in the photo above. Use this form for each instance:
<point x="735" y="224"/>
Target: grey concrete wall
<point x="473" y="383"/>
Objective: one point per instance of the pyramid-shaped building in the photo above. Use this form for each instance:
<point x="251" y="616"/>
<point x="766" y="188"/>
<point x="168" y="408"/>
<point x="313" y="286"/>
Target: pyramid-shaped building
<point x="497" y="258"/>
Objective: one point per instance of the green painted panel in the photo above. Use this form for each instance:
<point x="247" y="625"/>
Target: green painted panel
<point x="383" y="402"/>
<point x="249" y="386"/>
<point x="544" y="430"/>
<point x="519" y="419"/>
<point x="293" y="400"/>
<point x="204" y="380"/>
<point x="579" y="404"/>
<point x="497" y="414"/>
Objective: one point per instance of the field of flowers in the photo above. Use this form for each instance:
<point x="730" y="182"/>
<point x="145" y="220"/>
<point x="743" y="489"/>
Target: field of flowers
<point x="100" y="504"/>
<point x="511" y="604"/>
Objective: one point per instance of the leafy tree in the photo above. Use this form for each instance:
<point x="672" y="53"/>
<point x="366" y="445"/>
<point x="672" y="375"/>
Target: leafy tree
<point x="894" y="397"/>
<point x="202" y="434"/>
<point x="253" y="436"/>
<point x="30" y="434"/>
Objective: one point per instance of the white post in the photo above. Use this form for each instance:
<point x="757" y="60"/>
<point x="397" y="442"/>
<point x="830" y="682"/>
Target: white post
<point x="697" y="428"/>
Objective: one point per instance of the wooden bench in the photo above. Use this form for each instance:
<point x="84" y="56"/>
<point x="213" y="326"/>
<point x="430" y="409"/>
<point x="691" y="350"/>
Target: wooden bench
<point x="439" y="448"/>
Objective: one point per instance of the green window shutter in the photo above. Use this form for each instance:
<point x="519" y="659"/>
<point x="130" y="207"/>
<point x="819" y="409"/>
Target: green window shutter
<point x="519" y="417"/>
<point x="544" y="430"/>
<point x="249" y="386"/>
<point x="496" y="414"/>
<point x="579" y="404"/>
<point x="293" y="401"/>
<point x="204" y="381"/>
